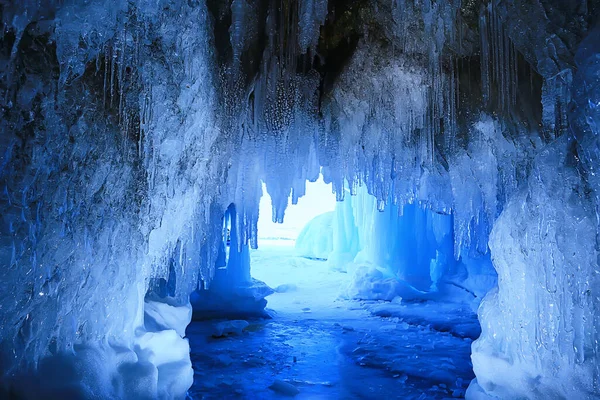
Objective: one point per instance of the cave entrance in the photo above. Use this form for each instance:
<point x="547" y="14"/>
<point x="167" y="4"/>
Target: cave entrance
<point x="389" y="314"/>
<point x="292" y="256"/>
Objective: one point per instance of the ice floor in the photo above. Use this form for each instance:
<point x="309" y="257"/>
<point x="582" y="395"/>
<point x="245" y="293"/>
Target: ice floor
<point x="333" y="349"/>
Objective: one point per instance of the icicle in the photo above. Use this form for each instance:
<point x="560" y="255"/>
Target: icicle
<point x="113" y="59"/>
<point x="515" y="74"/>
<point x="485" y="54"/>
<point x="254" y="232"/>
<point x="121" y="77"/>
<point x="237" y="30"/>
<point x="106" y="57"/>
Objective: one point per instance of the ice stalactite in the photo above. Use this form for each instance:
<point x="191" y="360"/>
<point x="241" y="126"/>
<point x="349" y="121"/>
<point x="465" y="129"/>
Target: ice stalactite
<point x="231" y="292"/>
<point x="409" y="251"/>
<point x="311" y="16"/>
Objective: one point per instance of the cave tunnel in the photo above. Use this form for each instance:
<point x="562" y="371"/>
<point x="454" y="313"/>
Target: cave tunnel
<point x="335" y="308"/>
<point x="311" y="199"/>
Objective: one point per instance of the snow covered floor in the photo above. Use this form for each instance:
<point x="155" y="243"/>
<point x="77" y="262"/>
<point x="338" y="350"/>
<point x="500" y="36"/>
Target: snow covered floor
<point x="333" y="349"/>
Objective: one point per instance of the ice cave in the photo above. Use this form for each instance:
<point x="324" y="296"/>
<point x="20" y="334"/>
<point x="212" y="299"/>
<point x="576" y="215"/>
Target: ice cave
<point x="310" y="199"/>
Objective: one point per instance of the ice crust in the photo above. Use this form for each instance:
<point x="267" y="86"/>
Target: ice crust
<point x="129" y="130"/>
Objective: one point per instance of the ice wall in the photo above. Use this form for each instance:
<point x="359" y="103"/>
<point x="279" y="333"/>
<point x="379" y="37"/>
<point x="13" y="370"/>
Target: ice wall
<point x="409" y="251"/>
<point x="106" y="135"/>
<point x="540" y="326"/>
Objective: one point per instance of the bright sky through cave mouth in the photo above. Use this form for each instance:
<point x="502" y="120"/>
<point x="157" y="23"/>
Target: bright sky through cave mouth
<point x="318" y="199"/>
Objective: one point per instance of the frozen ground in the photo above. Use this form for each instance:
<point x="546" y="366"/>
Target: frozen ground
<point x="332" y="349"/>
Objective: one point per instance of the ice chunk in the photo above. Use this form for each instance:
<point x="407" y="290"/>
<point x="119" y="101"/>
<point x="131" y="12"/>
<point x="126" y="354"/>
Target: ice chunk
<point x="286" y="288"/>
<point x="316" y="238"/>
<point x="284" y="388"/>
<point x="224" y="300"/>
<point x="227" y="328"/>
<point x="370" y="283"/>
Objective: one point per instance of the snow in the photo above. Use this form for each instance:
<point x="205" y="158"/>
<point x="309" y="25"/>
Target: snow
<point x="313" y="283"/>
<point x="286" y="389"/>
<point x="159" y="315"/>
<point x="157" y="365"/>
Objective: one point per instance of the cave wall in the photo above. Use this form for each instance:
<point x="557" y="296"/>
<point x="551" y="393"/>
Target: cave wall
<point x="107" y="131"/>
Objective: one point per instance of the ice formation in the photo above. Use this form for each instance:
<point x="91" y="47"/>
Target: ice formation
<point x="231" y="291"/>
<point x="129" y="128"/>
<point x="316" y="238"/>
<point x="405" y="251"/>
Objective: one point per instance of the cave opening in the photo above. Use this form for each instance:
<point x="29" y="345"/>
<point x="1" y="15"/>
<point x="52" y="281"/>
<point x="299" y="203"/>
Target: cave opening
<point x="340" y="300"/>
<point x="291" y="256"/>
